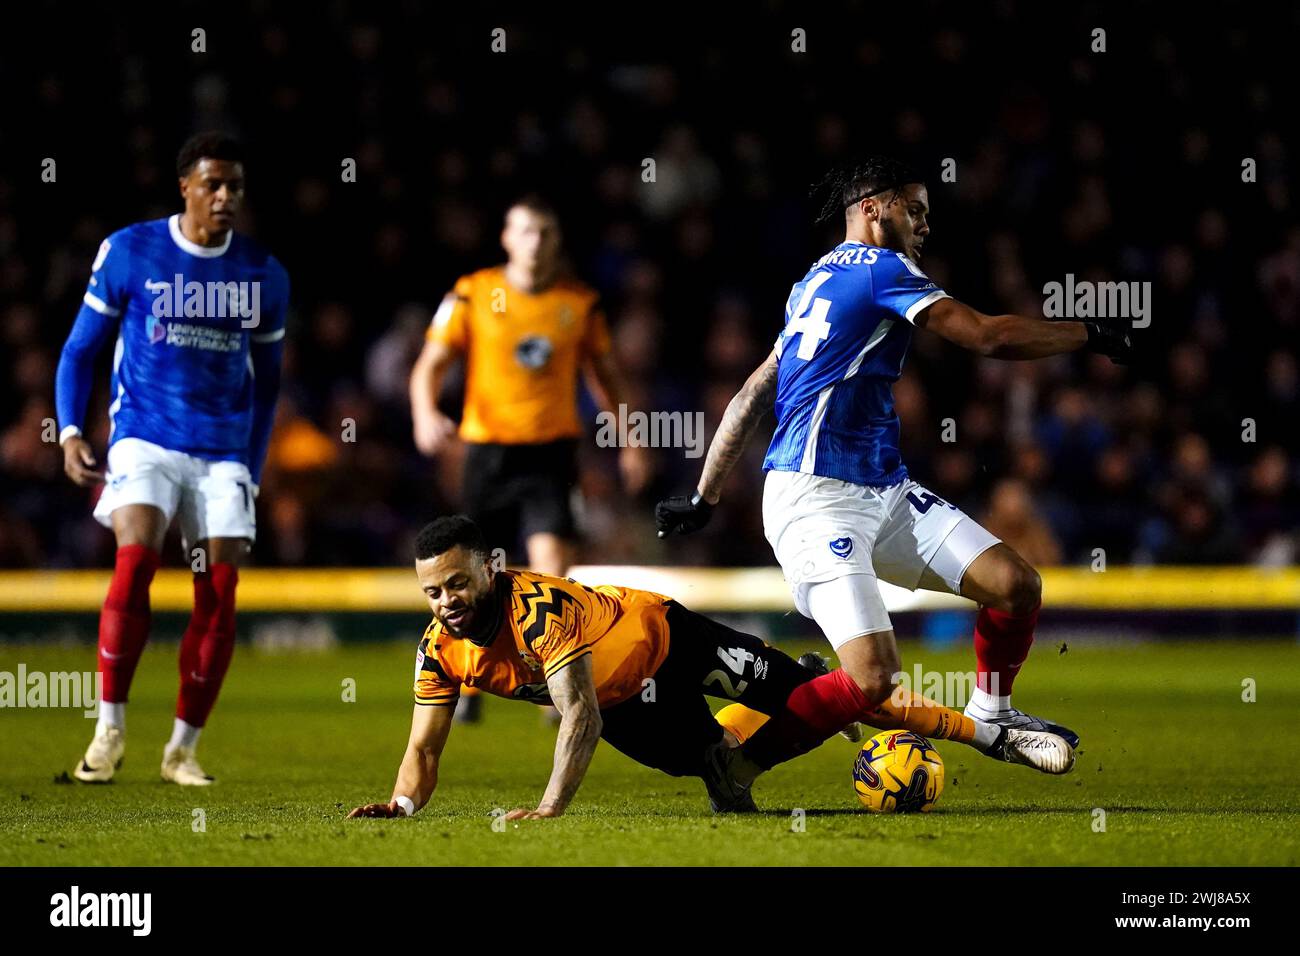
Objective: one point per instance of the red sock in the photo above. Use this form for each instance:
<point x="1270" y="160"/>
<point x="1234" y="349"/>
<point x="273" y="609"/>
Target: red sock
<point x="208" y="643"/>
<point x="1001" y="645"/>
<point x="814" y="712"/>
<point x="125" y="618"/>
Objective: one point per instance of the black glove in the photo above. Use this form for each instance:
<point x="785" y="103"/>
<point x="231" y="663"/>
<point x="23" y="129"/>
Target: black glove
<point x="684" y="513"/>
<point x="1110" y="339"/>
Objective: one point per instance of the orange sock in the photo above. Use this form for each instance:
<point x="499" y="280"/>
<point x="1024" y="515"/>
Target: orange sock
<point x="904" y="710"/>
<point x="907" y="710"/>
<point x="740" y="720"/>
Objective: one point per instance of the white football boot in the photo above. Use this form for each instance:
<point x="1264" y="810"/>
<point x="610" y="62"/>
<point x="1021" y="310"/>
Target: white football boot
<point x="180" y="766"/>
<point x="103" y="757"/>
<point x="1019" y="720"/>
<point x="1043" y="751"/>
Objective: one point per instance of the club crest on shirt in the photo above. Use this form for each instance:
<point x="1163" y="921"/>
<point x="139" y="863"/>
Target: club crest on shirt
<point x="532" y="662"/>
<point x="841" y="547"/>
<point x="534" y="352"/>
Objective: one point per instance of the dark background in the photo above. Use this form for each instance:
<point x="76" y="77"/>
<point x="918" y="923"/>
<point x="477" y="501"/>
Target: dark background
<point x="1122" y="165"/>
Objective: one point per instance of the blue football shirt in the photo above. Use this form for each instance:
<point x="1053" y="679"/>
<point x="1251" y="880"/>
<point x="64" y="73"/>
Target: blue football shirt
<point x="187" y="319"/>
<point x="848" y="324"/>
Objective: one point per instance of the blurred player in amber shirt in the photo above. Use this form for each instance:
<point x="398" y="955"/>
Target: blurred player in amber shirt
<point x="527" y="333"/>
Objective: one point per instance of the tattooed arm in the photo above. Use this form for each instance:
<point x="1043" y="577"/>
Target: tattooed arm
<point x="751" y="403"/>
<point x="573" y="691"/>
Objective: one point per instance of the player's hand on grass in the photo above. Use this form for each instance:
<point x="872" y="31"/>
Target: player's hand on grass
<point x="79" y="462"/>
<point x="543" y="812"/>
<point x="682" y="513"/>
<point x="433" y="431"/>
<point x="1111" y="339"/>
<point x="390" y="809"/>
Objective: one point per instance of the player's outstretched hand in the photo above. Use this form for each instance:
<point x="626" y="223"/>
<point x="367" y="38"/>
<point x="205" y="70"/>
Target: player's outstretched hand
<point x="79" y="462"/>
<point x="1112" y="339"/>
<point x="378" y="810"/>
<point x="683" y="513"/>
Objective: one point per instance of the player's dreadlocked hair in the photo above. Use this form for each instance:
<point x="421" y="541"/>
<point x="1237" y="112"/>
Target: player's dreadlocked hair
<point x="851" y="183"/>
<point x="207" y="145"/>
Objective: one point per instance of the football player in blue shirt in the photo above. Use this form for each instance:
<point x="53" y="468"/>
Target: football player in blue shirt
<point x="197" y="315"/>
<point x="839" y="508"/>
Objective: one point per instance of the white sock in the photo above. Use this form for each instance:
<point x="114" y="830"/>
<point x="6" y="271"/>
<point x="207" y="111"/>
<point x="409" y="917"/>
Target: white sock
<point x="111" y="715"/>
<point x="184" y="735"/>
<point x="983" y="701"/>
<point x="985" y="734"/>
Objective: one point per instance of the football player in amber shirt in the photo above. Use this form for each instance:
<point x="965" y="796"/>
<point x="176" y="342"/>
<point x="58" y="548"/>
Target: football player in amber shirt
<point x="628" y="666"/>
<point x="527" y="332"/>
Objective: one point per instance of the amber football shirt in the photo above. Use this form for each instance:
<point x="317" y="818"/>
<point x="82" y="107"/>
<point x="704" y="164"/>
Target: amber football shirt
<point x="546" y="623"/>
<point x="523" y="352"/>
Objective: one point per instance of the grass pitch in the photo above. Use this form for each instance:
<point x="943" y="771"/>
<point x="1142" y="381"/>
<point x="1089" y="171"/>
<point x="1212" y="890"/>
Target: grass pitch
<point x="1185" y="770"/>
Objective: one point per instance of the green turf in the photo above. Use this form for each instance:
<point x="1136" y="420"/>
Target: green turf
<point x="1186" y="771"/>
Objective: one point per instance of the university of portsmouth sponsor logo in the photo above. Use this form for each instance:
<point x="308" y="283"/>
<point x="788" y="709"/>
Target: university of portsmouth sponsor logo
<point x="131" y="910"/>
<point x="841" y="547"/>
<point x="179" y="299"/>
<point x="156" y="330"/>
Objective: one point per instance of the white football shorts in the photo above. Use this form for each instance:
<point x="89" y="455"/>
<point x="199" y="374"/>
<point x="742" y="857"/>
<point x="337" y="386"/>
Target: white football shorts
<point x="213" y="498"/>
<point x="835" y="540"/>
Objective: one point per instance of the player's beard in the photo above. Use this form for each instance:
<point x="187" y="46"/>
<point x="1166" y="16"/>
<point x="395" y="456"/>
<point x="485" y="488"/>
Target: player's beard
<point x="459" y="630"/>
<point x="896" y="239"/>
<point x="480" y="620"/>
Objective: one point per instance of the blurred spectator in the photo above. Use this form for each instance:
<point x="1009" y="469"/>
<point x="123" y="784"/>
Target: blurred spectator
<point x="1188" y="456"/>
<point x="1012" y="517"/>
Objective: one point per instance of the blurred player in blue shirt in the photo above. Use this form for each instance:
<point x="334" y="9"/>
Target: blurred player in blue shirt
<point x="196" y="314"/>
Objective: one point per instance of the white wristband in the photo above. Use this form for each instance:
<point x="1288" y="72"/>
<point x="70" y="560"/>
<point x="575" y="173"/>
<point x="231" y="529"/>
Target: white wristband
<point x="69" y="432"/>
<point x="407" y="805"/>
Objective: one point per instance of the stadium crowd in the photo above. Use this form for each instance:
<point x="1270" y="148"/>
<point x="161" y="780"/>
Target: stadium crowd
<point x="1188" y="456"/>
